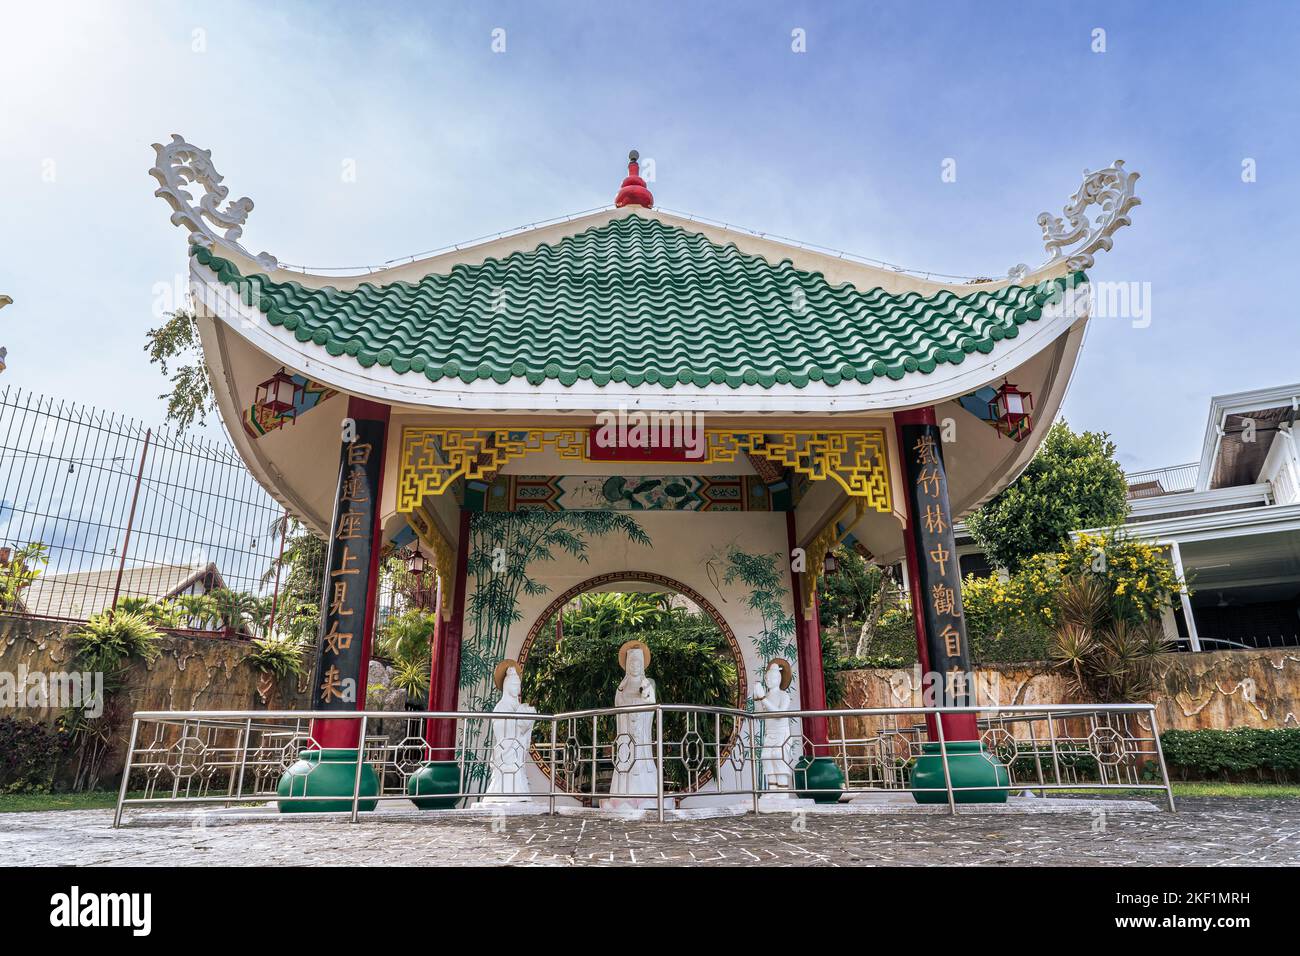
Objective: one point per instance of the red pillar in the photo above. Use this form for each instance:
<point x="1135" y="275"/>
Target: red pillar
<point x="348" y="618"/>
<point x="444" y="679"/>
<point x="807" y="631"/>
<point x="941" y="640"/>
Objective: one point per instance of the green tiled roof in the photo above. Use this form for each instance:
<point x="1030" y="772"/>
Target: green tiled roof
<point x="637" y="301"/>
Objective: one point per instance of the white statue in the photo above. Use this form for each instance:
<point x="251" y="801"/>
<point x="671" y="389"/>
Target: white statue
<point x="634" y="760"/>
<point x="771" y="695"/>
<point x="512" y="737"/>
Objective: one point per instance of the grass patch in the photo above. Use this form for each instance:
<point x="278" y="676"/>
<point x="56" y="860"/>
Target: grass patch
<point x="1217" y="788"/>
<point x="31" y="802"/>
<point x="1204" y="788"/>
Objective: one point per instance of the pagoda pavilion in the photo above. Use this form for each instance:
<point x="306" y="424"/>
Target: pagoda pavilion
<point x="684" y="401"/>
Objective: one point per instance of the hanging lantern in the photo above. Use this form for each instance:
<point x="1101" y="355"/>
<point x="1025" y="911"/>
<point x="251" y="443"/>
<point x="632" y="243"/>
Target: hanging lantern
<point x="278" y="394"/>
<point x="830" y="564"/>
<point x="415" y="561"/>
<point x="1010" y="411"/>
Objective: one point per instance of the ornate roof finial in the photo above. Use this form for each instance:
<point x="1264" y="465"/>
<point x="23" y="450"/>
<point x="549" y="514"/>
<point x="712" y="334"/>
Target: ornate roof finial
<point x="181" y="165"/>
<point x="634" y="192"/>
<point x="1076" y="238"/>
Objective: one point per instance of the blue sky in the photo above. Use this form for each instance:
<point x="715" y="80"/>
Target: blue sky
<point x="841" y="145"/>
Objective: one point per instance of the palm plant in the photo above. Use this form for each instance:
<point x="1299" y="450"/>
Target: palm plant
<point x="411" y="674"/>
<point x="1107" y="657"/>
<point x="276" y="656"/>
<point x="107" y="642"/>
<point x="199" y="610"/>
<point x="407" y="635"/>
<point x="238" y="610"/>
<point x="19" y="571"/>
<point x="157" y="613"/>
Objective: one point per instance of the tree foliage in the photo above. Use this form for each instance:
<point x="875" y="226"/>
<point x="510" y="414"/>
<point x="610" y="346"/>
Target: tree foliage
<point x="17" y="574"/>
<point x="691" y="662"/>
<point x="1072" y="483"/>
<point x="175" y="348"/>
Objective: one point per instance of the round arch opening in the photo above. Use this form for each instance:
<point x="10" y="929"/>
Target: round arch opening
<point x="690" y="754"/>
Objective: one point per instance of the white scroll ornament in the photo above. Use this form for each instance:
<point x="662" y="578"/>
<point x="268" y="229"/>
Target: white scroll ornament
<point x="1076" y="238"/>
<point x="180" y="165"/>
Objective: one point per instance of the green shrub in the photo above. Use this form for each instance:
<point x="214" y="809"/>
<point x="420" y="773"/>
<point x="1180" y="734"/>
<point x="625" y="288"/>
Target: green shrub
<point x="872" y="662"/>
<point x="29" y="755"/>
<point x="1243" y="753"/>
<point x="109" y="641"/>
<point x="277" y="656"/>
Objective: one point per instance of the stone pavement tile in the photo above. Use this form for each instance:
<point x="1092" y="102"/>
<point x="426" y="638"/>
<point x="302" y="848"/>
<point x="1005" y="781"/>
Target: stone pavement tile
<point x="1205" y="831"/>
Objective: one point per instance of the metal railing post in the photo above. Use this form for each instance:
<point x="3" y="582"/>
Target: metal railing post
<point x="1160" y="754"/>
<point x="659" y="757"/>
<point x="943" y="755"/>
<point x="1056" y="757"/>
<point x="753" y="765"/>
<point x="356" y="779"/>
<point x="717" y="749"/>
<point x="594" y="751"/>
<point x="552" y="813"/>
<point x="126" y="772"/>
<point x="243" y="755"/>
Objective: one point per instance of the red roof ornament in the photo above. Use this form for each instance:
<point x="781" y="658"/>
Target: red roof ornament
<point x="634" y="192"/>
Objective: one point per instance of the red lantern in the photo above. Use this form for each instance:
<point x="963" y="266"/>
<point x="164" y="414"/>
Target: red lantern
<point x="830" y="564"/>
<point x="415" y="561"/>
<point x="1011" y="410"/>
<point x="278" y="394"/>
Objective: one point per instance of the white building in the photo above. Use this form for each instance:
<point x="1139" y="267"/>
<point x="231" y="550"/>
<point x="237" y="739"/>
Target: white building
<point x="1232" y="523"/>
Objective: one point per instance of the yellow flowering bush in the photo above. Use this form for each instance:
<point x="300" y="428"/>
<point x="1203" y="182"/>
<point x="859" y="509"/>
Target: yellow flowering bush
<point x="1139" y="579"/>
<point x="1014" y="618"/>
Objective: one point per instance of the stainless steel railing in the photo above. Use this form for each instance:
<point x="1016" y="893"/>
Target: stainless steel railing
<point x="705" y="754"/>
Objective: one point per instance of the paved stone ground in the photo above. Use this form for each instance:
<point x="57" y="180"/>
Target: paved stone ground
<point x="1207" y="831"/>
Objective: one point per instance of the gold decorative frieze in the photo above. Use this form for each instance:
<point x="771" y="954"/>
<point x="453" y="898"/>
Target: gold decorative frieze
<point x="432" y="458"/>
<point x="855" y="459"/>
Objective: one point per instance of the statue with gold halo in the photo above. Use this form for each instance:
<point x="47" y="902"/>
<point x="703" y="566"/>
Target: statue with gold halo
<point x="512" y="736"/>
<point x="772" y="696"/>
<point x="634" y="761"/>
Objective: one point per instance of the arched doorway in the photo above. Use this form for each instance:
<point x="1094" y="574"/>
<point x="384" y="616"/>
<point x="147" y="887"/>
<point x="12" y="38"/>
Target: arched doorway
<point x="695" y="745"/>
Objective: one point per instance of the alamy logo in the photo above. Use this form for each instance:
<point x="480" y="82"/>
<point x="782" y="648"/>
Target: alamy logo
<point x="38" y="690"/>
<point x="673" y="431"/>
<point x="74" y="908"/>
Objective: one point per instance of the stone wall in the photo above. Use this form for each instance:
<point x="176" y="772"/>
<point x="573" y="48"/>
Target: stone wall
<point x="190" y="673"/>
<point x="1219" y="690"/>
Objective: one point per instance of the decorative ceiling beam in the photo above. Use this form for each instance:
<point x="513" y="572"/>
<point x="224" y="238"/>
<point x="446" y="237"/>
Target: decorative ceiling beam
<point x="444" y="555"/>
<point x="433" y="458"/>
<point x="831" y="534"/>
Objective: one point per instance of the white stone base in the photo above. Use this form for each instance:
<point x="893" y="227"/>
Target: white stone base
<point x="670" y="814"/>
<point x="786" y="802"/>
<point x="634" y="808"/>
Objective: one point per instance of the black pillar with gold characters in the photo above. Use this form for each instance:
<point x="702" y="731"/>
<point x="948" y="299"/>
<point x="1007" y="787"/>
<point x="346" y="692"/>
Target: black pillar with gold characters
<point x="329" y="767"/>
<point x="942" y="646"/>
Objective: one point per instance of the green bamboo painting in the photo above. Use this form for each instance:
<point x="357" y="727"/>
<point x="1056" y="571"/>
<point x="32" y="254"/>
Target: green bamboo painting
<point x="763" y="575"/>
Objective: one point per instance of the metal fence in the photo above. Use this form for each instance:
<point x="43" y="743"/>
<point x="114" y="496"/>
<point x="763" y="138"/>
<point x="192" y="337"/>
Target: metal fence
<point x="1162" y="481"/>
<point x="103" y="508"/>
<point x="210" y="759"/>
